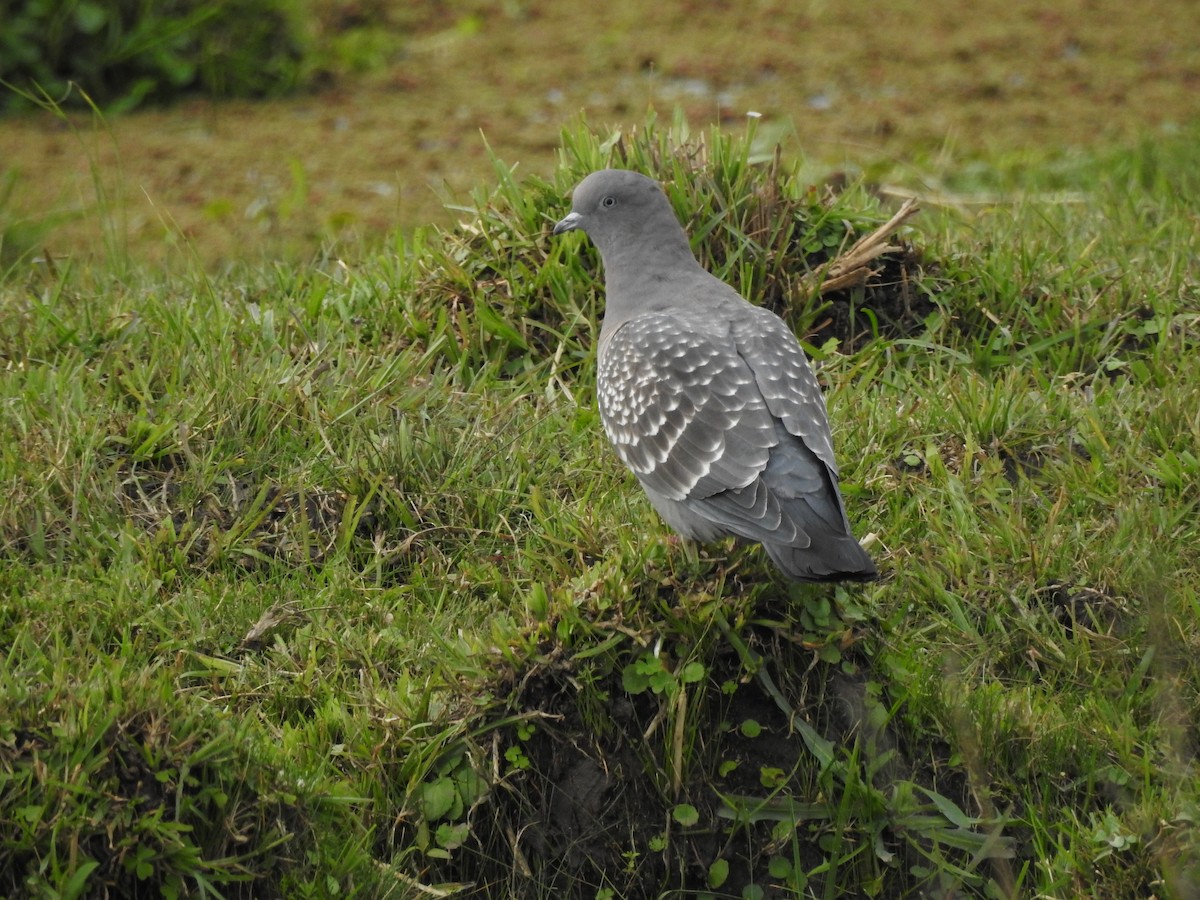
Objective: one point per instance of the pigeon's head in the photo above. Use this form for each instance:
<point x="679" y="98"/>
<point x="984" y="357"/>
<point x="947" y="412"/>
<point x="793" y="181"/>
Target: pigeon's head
<point x="615" y="207"/>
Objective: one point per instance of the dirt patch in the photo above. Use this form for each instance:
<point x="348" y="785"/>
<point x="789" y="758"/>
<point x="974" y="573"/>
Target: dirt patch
<point x="614" y="791"/>
<point x="1078" y="608"/>
<point x="893" y="302"/>
<point x="248" y="519"/>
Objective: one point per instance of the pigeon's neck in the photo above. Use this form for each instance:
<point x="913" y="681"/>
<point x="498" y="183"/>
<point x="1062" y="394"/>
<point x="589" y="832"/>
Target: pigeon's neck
<point x="647" y="272"/>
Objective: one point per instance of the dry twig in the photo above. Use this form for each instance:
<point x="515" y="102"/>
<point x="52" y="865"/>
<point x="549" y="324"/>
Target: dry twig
<point x="852" y="268"/>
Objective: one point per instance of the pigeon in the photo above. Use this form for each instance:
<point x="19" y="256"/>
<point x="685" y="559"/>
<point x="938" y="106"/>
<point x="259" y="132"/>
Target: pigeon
<point x="707" y="398"/>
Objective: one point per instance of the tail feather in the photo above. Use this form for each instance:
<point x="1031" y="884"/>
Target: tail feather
<point x="807" y="492"/>
<point x="836" y="559"/>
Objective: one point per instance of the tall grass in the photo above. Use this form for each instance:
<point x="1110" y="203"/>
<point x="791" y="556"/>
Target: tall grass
<point x="321" y="580"/>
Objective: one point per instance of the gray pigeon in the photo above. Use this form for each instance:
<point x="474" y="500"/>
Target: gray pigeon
<point x="707" y="398"/>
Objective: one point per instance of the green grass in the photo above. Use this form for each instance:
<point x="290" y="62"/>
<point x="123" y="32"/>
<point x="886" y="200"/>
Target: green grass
<point x="323" y="581"/>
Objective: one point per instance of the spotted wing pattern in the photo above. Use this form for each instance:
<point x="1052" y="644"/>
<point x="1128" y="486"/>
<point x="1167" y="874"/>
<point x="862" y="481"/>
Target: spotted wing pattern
<point x="785" y="379"/>
<point x="682" y="409"/>
<point x="722" y="421"/>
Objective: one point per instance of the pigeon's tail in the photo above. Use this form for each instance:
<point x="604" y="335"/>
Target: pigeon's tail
<point x="824" y="549"/>
<point x="832" y="558"/>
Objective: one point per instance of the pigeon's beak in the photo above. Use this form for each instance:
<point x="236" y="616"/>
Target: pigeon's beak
<point x="569" y="223"/>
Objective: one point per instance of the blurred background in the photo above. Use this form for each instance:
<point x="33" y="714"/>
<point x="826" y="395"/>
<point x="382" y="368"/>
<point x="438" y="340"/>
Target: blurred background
<point x="217" y="131"/>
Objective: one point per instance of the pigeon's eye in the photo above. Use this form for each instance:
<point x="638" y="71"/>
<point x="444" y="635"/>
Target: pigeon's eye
<point x="608" y="202"/>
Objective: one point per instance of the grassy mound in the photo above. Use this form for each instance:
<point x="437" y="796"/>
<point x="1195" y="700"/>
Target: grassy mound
<point x="322" y="580"/>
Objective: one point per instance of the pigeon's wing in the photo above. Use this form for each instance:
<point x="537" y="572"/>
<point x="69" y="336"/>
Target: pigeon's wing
<point x="803" y="467"/>
<point x="682" y="409"/>
<point x="684" y="412"/>
<point x="785" y="379"/>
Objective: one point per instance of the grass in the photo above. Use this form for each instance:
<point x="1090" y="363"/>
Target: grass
<point x="320" y="580"/>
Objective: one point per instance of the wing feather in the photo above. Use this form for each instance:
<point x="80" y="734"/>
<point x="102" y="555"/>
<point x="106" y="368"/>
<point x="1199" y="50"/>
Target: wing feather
<point x="786" y="380"/>
<point x="682" y="408"/>
<point x="723" y="416"/>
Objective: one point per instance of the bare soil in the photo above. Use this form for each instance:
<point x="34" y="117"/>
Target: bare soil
<point x="857" y="82"/>
<point x="585" y="812"/>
